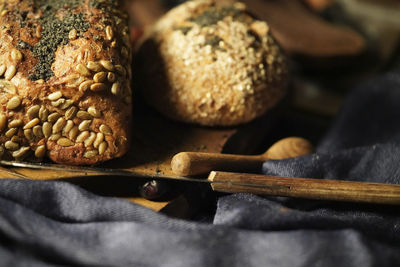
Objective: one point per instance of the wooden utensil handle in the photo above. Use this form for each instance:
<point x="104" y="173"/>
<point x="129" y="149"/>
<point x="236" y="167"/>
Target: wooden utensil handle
<point x="337" y="190"/>
<point x="196" y="163"/>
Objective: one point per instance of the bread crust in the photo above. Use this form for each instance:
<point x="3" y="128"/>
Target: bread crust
<point x="211" y="63"/>
<point x="65" y="88"/>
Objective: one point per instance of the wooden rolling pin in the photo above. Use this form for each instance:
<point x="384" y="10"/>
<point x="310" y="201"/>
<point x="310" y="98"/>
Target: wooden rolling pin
<point x="196" y="163"/>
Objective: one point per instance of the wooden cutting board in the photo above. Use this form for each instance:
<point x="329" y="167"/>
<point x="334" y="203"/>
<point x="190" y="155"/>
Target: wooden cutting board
<point x="155" y="140"/>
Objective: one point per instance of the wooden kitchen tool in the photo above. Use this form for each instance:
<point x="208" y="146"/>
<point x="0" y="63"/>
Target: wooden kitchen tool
<point x="228" y="182"/>
<point x="337" y="190"/>
<point x="196" y="163"/>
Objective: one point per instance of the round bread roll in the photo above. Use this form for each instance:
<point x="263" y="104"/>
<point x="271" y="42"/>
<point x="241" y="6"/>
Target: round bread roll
<point x="211" y="63"/>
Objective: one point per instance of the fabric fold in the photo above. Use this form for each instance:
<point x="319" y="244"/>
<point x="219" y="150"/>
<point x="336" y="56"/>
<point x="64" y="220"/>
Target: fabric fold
<point x="46" y="223"/>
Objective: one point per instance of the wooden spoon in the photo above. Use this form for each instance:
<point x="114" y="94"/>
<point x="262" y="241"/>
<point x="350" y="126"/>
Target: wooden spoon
<point x="196" y="163"/>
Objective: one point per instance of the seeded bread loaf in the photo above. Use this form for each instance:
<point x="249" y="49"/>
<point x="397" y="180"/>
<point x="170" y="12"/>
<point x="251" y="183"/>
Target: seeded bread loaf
<point x="64" y="80"/>
<point x="211" y="63"/>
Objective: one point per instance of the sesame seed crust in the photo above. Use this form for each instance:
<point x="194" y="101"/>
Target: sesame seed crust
<point x="212" y="63"/>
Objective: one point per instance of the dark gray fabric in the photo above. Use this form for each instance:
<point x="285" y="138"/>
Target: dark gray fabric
<point x="55" y="223"/>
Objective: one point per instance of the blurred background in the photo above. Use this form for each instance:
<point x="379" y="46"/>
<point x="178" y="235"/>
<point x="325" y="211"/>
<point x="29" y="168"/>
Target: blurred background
<point x="333" y="46"/>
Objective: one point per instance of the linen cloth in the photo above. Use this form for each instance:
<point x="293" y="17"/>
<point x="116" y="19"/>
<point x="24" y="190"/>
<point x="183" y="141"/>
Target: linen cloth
<point x="56" y="223"/>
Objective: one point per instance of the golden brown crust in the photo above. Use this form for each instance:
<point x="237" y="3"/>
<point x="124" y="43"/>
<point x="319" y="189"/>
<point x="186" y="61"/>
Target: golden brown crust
<point x="211" y="63"/>
<point x="71" y="102"/>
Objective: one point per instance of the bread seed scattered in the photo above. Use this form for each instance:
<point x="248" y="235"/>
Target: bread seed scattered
<point x="47" y="129"/>
<point x="83" y="115"/>
<point x="66" y="104"/>
<point x="74" y="80"/>
<point x="65" y="142"/>
<point x="90" y="154"/>
<point x="111" y="77"/>
<point x="58" y="102"/>
<point x="90" y="140"/>
<point x="38" y="33"/>
<point x="121" y="70"/>
<point x="54" y="96"/>
<point x="40" y="151"/>
<point x="33" y="111"/>
<point x="32" y="123"/>
<point x="43" y="113"/>
<point x="21" y="152"/>
<point x="55" y="137"/>
<point x="73" y="34"/>
<point x="59" y="125"/>
<point x="9" y="145"/>
<point x="107" y="65"/>
<point x="109" y="33"/>
<point x="85" y="86"/>
<point x="82" y="137"/>
<point x="4" y="12"/>
<point x="14" y="102"/>
<point x="53" y="117"/>
<point x="15" y="139"/>
<point x="116" y="88"/>
<point x="82" y="70"/>
<point x="97" y="87"/>
<point x="84" y="125"/>
<point x="15" y="123"/>
<point x="94" y="66"/>
<point x="10" y="72"/>
<point x="28" y="133"/>
<point x="37" y="131"/>
<point x="3" y="121"/>
<point x="94" y="112"/>
<point x="73" y="133"/>
<point x="11" y="132"/>
<point x="7" y="87"/>
<point x="68" y="126"/>
<point x="100" y="77"/>
<point x="105" y="129"/>
<point x="99" y="140"/>
<point x="103" y="147"/>
<point x="71" y="112"/>
<point x="16" y="55"/>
